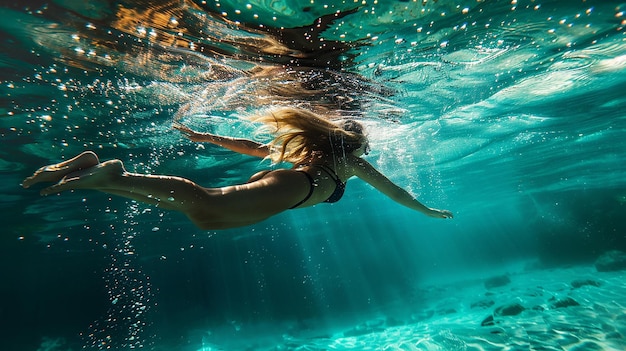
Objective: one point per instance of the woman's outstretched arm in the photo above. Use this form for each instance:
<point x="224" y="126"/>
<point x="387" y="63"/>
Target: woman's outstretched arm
<point x="371" y="175"/>
<point x="242" y="146"/>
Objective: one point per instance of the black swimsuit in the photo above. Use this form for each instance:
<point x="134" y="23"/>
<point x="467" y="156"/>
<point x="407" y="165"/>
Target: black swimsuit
<point x="339" y="188"/>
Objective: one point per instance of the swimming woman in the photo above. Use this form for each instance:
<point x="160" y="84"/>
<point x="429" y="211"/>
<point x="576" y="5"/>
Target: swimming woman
<point x="324" y="155"/>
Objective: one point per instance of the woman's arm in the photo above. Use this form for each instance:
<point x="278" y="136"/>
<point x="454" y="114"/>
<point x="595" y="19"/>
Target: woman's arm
<point x="371" y="175"/>
<point x="242" y="146"/>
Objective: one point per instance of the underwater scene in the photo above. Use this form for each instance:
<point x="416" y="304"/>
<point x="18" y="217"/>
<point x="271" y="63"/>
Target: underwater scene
<point x="510" y="114"/>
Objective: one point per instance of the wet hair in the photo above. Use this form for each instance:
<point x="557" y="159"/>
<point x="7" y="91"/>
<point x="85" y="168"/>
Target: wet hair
<point x="352" y="126"/>
<point x="300" y="134"/>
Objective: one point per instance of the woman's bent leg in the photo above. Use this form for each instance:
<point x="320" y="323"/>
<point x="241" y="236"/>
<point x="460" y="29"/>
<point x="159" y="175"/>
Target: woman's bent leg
<point x="173" y="193"/>
<point x="208" y="208"/>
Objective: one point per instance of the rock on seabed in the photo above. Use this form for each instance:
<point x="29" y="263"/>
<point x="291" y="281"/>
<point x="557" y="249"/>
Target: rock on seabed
<point x="611" y="261"/>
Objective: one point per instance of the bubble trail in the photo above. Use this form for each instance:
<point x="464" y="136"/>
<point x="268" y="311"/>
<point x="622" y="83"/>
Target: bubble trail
<point x="130" y="295"/>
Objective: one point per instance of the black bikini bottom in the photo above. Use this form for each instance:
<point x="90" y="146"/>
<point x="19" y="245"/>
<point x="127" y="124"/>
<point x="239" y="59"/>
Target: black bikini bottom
<point x="311" y="188"/>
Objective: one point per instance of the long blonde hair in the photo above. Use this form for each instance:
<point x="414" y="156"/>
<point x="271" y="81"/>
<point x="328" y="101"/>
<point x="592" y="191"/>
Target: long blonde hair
<point x="302" y="134"/>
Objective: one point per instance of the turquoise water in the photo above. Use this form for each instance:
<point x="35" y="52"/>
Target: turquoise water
<point x="508" y="113"/>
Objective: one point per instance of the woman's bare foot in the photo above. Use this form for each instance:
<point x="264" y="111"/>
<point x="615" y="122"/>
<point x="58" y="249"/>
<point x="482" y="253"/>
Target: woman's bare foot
<point x="56" y="172"/>
<point x="96" y="177"/>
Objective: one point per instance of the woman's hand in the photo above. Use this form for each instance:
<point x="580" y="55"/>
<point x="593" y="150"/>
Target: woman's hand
<point x="435" y="213"/>
<point x="190" y="133"/>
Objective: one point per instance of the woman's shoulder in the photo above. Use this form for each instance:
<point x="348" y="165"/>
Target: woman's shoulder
<point x="355" y="161"/>
<point x="352" y="166"/>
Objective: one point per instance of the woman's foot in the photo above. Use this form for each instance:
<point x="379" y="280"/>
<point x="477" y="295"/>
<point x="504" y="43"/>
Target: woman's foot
<point x="97" y="177"/>
<point x="56" y="172"/>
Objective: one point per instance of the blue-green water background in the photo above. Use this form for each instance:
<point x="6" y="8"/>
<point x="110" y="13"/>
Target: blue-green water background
<point x="510" y="114"/>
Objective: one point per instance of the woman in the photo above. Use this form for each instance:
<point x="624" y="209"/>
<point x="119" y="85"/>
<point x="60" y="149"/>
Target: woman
<point x="324" y="155"/>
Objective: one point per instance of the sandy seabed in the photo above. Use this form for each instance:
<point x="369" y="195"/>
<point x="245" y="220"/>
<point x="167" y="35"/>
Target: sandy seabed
<point x="566" y="309"/>
<point x="574" y="308"/>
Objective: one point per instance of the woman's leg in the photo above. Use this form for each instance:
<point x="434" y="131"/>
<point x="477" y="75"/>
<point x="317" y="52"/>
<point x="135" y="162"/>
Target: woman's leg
<point x="208" y="208"/>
